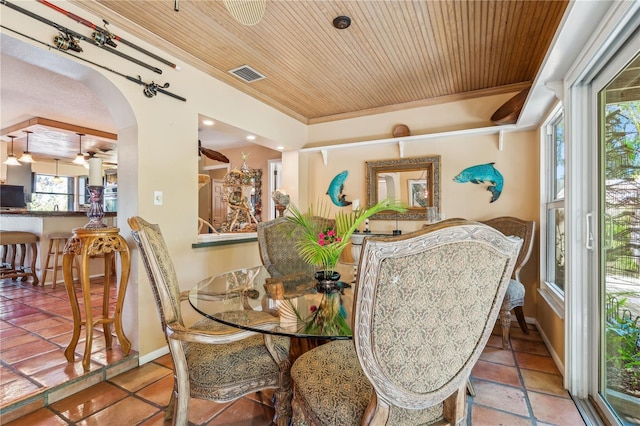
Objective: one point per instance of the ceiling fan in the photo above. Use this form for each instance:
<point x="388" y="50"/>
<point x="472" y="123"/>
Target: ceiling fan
<point x="214" y="155"/>
<point x="101" y="153"/>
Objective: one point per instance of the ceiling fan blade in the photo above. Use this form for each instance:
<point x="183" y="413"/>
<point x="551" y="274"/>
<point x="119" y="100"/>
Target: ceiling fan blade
<point x="214" y="155"/>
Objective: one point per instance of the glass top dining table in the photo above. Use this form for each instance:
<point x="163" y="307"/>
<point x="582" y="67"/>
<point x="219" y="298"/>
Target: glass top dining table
<point x="256" y="299"/>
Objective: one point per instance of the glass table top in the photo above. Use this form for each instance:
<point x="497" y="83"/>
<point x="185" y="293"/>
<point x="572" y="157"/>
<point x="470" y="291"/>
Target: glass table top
<point x="256" y="300"/>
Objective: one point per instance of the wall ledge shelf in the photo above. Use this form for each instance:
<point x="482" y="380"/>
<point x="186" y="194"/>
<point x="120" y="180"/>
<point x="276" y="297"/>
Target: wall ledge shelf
<point x="401" y="141"/>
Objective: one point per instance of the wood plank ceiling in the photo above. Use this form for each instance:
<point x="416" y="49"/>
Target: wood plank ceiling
<point x="395" y="54"/>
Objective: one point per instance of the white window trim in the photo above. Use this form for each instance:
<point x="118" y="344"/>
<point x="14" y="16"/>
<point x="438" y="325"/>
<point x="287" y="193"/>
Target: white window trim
<point x="549" y="293"/>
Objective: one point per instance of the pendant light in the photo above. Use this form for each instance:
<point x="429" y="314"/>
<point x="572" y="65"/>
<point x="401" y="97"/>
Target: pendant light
<point x="11" y="159"/>
<point x="26" y="155"/>
<point x="80" y="156"/>
<point x="56" y="178"/>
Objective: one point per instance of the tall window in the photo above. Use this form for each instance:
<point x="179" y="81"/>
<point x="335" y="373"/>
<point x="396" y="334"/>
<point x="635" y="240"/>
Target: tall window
<point x="51" y="193"/>
<point x="555" y="204"/>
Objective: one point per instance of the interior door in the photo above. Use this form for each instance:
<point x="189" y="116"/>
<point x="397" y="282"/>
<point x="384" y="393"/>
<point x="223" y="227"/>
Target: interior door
<point x="219" y="211"/>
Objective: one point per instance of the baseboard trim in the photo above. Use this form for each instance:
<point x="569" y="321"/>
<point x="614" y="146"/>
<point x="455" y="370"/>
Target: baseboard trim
<point x="549" y="346"/>
<point x="154" y="355"/>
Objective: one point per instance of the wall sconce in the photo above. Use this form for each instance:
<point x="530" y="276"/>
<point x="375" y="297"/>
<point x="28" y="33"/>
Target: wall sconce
<point x="26" y="155"/>
<point x="80" y="156"/>
<point x="11" y="158"/>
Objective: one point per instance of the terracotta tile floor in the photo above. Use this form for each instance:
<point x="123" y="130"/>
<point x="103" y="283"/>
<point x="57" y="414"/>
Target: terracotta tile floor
<point x="520" y="386"/>
<point x="36" y="324"/>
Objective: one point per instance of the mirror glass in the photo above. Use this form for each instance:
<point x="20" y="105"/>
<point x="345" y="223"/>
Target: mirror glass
<point x="412" y="181"/>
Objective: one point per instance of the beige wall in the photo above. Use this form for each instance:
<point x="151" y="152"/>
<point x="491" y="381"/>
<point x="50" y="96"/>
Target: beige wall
<point x="157" y="140"/>
<point x="517" y="162"/>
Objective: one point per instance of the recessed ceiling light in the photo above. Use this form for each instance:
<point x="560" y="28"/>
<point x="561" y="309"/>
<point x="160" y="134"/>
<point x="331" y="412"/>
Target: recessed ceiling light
<point x="251" y="137"/>
<point x="280" y="147"/>
<point x="207" y="122"/>
<point x="342" y="22"/>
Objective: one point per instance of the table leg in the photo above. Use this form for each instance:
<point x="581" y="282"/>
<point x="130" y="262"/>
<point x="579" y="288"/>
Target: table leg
<point x="106" y="295"/>
<point x="283" y="394"/>
<point x="67" y="261"/>
<point x="125" y="264"/>
<point x="88" y="317"/>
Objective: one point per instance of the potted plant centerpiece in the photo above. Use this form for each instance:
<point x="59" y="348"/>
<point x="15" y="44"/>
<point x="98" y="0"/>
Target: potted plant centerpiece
<point x="322" y="243"/>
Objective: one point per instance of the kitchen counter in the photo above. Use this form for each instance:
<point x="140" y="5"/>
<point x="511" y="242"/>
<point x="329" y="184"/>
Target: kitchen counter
<point x="43" y="223"/>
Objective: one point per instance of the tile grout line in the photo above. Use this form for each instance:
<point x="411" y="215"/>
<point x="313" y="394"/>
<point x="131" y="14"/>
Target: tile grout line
<point x="21" y="294"/>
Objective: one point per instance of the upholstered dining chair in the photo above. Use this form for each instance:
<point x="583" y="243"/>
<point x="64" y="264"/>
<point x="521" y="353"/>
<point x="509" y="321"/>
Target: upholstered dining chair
<point x="277" y="242"/>
<point x="425" y="307"/>
<point x="211" y="360"/>
<point x="514" y="297"/>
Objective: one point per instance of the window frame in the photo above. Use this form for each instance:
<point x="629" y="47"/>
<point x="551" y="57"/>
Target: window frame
<point x="551" y="293"/>
<point x="71" y="186"/>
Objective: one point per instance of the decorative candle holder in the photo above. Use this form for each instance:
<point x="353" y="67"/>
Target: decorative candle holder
<point x="96" y="211"/>
<point x="397" y="231"/>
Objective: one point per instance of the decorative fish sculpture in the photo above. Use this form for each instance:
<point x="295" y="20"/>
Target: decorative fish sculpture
<point x="483" y="173"/>
<point x="335" y="190"/>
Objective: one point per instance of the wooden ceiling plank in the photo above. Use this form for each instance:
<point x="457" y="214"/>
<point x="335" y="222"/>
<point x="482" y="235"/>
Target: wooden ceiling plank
<point x="517" y="26"/>
<point x="435" y="36"/>
<point x="424" y="45"/>
<point x="405" y="50"/>
<point x="386" y="56"/>
<point x="488" y="17"/>
<point x="547" y="33"/>
<point x="406" y="56"/>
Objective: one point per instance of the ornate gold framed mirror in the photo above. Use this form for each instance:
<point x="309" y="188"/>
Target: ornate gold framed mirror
<point x="412" y="181"/>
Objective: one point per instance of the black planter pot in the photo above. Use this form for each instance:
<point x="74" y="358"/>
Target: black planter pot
<point x="330" y="284"/>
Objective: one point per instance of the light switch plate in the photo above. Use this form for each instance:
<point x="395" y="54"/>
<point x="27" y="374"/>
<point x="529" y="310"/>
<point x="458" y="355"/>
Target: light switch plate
<point x="157" y="198"/>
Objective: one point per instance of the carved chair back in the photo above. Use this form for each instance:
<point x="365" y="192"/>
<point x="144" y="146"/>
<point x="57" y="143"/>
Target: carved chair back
<point x="426" y="304"/>
<point x="160" y="270"/>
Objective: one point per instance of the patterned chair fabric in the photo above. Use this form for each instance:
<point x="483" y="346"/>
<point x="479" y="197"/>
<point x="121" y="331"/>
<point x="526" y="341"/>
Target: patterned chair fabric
<point x="211" y="360"/>
<point x="425" y="307"/>
<point x="514" y="298"/>
<point x="277" y="241"/>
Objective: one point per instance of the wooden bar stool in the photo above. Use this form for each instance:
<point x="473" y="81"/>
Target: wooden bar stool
<point x="57" y="242"/>
<point x="10" y="241"/>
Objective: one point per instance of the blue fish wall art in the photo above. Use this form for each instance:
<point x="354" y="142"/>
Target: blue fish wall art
<point x="335" y="190"/>
<point x="483" y="173"/>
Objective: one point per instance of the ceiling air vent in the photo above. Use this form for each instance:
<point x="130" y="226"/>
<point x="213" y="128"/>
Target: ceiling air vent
<point x="247" y="74"/>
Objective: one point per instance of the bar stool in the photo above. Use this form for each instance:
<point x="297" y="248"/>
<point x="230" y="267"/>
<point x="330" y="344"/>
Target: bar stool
<point x="57" y="242"/>
<point x="10" y="241"/>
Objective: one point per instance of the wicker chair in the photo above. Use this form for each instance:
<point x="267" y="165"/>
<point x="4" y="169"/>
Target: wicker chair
<point x="425" y="307"/>
<point x="514" y="298"/>
<point x="211" y="360"/>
